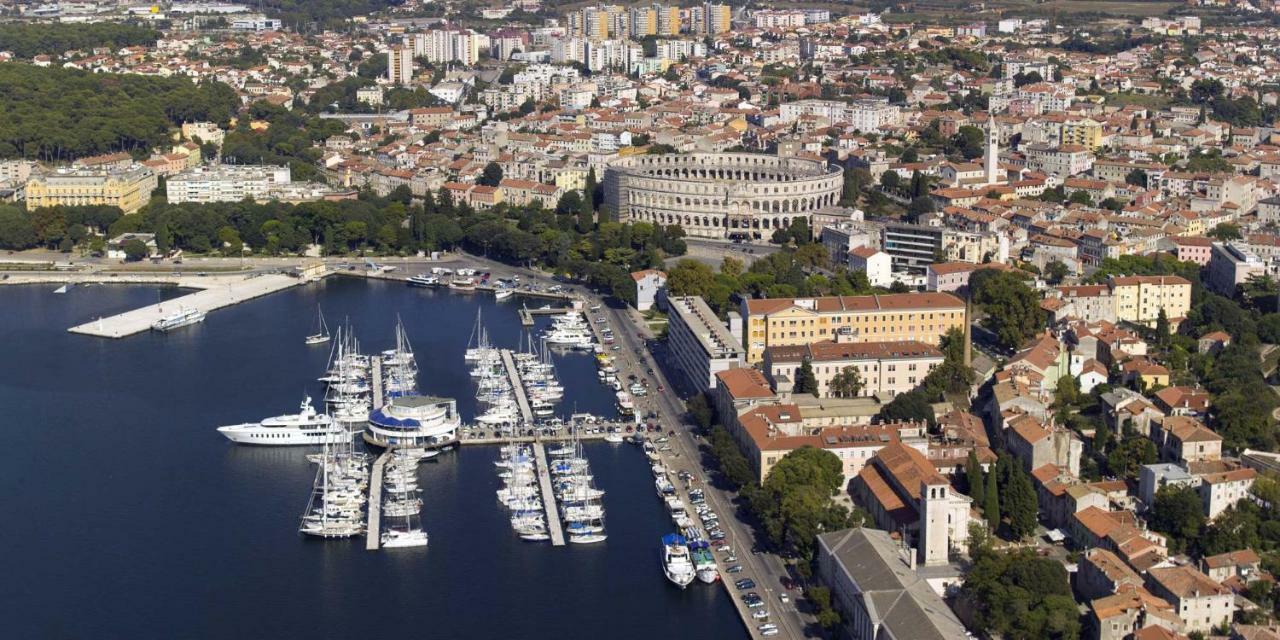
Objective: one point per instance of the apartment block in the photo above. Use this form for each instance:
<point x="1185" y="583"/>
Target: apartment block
<point x="884" y="368"/>
<point x="700" y="344"/>
<point x="776" y="322"/>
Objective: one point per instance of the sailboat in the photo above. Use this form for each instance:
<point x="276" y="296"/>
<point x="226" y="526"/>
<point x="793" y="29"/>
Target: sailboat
<point x="322" y="336"/>
<point x="63" y="289"/>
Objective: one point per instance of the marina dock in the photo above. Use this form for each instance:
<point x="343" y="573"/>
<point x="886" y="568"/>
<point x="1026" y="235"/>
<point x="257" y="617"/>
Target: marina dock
<point x="548" y="496"/>
<point x="373" y="528"/>
<point x="215" y="292"/>
<point x="527" y="314"/>
<point x="526" y="413"/>
<point x="375" y="380"/>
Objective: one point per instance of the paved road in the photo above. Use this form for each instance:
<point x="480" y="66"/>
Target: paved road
<point x="766" y="570"/>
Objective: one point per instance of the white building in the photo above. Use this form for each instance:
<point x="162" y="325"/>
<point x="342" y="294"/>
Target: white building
<point x="877" y="264"/>
<point x="648" y="283"/>
<point x="700" y="345"/>
<point x="400" y="65"/>
<point x="226" y="183"/>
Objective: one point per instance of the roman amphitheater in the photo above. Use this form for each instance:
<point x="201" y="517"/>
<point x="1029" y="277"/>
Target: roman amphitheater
<point x="719" y="195"/>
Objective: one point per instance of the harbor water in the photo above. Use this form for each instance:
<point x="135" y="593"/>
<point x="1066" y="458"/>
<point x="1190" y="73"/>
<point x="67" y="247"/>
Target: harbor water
<point x="128" y="516"/>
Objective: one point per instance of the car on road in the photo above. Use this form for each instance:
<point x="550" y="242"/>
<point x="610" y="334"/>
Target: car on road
<point x="737" y="568"/>
<point x="769" y="633"/>
<point x="767" y="627"/>
<point x="752" y="604"/>
<point x="760" y="615"/>
<point x="745" y="583"/>
<point x="784" y="597"/>
<point x="718" y="535"/>
<point x="731" y="558"/>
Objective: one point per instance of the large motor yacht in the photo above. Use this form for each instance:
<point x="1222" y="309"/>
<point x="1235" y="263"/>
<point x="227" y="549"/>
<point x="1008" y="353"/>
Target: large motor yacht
<point x="307" y="427"/>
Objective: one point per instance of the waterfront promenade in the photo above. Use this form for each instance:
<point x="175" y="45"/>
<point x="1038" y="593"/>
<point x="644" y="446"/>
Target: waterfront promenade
<point x="215" y="292"/>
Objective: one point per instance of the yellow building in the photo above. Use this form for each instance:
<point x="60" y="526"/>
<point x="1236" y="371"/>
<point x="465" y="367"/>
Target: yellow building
<point x="571" y="179"/>
<point x="644" y="22"/>
<point x="1139" y="299"/>
<point x="719" y="18"/>
<point x="668" y="20"/>
<point x="128" y="189"/>
<point x="1085" y="132"/>
<point x="775" y="322"/>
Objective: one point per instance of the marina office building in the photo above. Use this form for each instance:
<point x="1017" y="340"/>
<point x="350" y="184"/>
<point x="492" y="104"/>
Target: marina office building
<point x="922" y="317"/>
<point x="699" y="343"/>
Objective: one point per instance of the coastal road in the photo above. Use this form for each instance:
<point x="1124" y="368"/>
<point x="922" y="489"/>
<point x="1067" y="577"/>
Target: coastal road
<point x="766" y="570"/>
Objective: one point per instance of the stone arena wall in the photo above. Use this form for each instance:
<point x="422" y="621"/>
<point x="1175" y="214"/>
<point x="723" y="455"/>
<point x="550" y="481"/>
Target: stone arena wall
<point x="719" y="195"/>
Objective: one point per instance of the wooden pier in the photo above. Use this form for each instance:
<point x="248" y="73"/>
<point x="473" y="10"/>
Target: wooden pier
<point x="513" y="375"/>
<point x="548" y="496"/>
<point x="216" y="292"/>
<point x="373" y="528"/>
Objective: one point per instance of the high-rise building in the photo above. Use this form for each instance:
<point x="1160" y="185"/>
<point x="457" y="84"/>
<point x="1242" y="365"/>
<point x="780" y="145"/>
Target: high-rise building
<point x="644" y="22"/>
<point x="400" y="65"/>
<point x="719" y="17"/>
<point x="992" y="161"/>
<point x="668" y="20"/>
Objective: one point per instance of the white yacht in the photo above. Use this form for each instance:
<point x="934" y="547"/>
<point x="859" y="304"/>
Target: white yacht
<point x="393" y="539"/>
<point x="180" y="318"/>
<point x="423" y="280"/>
<point x="676" y="564"/>
<point x="307" y="427"/>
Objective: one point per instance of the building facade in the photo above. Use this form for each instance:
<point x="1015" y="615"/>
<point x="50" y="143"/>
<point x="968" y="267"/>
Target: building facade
<point x="128" y="189"/>
<point x="700" y="345"/>
<point x="884" y="368"/>
<point x="775" y="322"/>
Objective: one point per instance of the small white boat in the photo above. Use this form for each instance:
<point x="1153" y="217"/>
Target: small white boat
<point x="502" y="294"/>
<point x="63" y="289"/>
<point x="613" y="438"/>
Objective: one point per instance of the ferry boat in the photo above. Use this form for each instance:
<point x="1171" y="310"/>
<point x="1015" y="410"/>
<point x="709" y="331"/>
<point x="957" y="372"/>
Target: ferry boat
<point x="307" y="427"/>
<point x="180" y="318"/>
<point x="423" y="280"/>
<point x="414" y="421"/>
<point x="676" y="564"/>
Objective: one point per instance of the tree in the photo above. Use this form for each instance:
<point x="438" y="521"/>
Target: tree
<point x="1012" y="308"/>
<point x="973" y="477"/>
<point x="920" y="205"/>
<point x="794" y="504"/>
<point x="1163" y="337"/>
<point x="1137" y="177"/>
<point x="491" y="176"/>
<point x="690" y="278"/>
<point x="991" y="500"/>
<point x="855" y="180"/>
<point x="1020" y="502"/>
<point x="1178" y="512"/>
<point x="1225" y="232"/>
<point x="1125" y="460"/>
<point x="805" y="381"/>
<point x="700" y="410"/>
<point x="1056" y="271"/>
<point x="135" y="250"/>
<point x="910" y="406"/>
<point x="890" y="180"/>
<point x="846" y="384"/>
<point x="1020" y="595"/>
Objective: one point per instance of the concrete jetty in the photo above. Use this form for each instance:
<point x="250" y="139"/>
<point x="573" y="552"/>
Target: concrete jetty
<point x="373" y="528"/>
<point x="548" y="496"/>
<point x="375" y="366"/>
<point x="513" y="375"/>
<point x="215" y="292"/>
